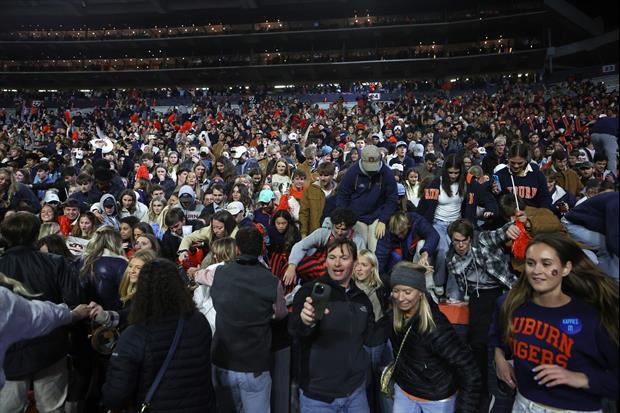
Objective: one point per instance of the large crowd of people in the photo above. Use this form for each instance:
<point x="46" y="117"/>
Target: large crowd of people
<point x="269" y="254"/>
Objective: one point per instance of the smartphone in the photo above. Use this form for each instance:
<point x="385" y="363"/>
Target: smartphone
<point x="496" y="180"/>
<point x="320" y="297"/>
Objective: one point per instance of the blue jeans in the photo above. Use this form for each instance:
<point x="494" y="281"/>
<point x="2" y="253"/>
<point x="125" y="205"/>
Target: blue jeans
<point x="607" y="144"/>
<point x="441" y="272"/>
<point x="237" y="391"/>
<point x="380" y="356"/>
<point x="607" y="261"/>
<point x="356" y="402"/>
<point x="403" y="404"/>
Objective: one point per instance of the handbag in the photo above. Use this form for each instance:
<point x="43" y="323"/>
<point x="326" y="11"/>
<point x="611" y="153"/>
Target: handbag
<point x="386" y="382"/>
<point x="162" y="370"/>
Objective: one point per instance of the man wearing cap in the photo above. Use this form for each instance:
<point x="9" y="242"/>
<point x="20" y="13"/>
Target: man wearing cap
<point x="240" y="155"/>
<point x="585" y="171"/>
<point x="237" y="210"/>
<point x="369" y="189"/>
<point x="402" y="157"/>
<point x="266" y="203"/>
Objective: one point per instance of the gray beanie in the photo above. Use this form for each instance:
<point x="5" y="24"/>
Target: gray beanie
<point x="408" y="277"/>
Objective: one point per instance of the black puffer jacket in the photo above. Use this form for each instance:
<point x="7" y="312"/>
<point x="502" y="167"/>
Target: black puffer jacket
<point x="50" y="276"/>
<point x="437" y="365"/>
<point x="141" y="350"/>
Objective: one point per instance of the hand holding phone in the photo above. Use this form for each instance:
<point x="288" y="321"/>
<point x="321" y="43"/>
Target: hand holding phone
<point x="315" y="306"/>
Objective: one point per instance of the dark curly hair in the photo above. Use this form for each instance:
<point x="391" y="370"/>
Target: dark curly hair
<point x="344" y="216"/>
<point x="160" y="293"/>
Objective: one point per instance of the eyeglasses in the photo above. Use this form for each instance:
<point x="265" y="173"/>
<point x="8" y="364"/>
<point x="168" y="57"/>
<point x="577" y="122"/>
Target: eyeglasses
<point x="460" y="241"/>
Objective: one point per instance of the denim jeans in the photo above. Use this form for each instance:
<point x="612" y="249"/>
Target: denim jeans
<point x="607" y="261"/>
<point x="356" y="402"/>
<point x="523" y="405"/>
<point x="441" y="272"/>
<point x="380" y="356"/>
<point x="237" y="391"/>
<point x="607" y="144"/>
<point x="403" y="404"/>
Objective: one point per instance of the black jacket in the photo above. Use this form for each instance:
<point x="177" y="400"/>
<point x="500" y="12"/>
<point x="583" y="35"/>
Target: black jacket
<point x="333" y="359"/>
<point x="141" y="350"/>
<point x="437" y="365"/>
<point x="50" y="276"/>
<point x="169" y="244"/>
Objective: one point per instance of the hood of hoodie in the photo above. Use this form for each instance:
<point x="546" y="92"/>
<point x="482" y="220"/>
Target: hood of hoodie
<point x="108" y="196"/>
<point x="187" y="190"/>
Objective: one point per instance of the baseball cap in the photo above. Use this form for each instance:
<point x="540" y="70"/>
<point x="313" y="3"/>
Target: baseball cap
<point x="234" y="207"/>
<point x="585" y="165"/>
<point x="401" y="143"/>
<point x="397" y="167"/>
<point x="42" y="166"/>
<point x="109" y="203"/>
<point x="50" y="196"/>
<point x="266" y="195"/>
<point x="371" y="159"/>
<point x="238" y="151"/>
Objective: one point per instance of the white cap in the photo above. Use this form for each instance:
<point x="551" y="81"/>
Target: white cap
<point x="238" y="151"/>
<point x="51" y="196"/>
<point x="235" y="207"/>
<point x="397" y="167"/>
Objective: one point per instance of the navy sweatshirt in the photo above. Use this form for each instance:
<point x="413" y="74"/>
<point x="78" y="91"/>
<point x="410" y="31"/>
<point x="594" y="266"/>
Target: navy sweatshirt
<point x="606" y="125"/>
<point x="532" y="187"/>
<point x="570" y="336"/>
<point x="370" y="197"/>
<point x="599" y="214"/>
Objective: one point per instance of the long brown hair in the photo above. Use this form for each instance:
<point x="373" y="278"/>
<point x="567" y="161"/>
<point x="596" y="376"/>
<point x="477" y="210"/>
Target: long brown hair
<point x="585" y="282"/>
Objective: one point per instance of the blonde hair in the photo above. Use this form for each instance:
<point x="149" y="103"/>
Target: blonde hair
<point x="399" y="222"/>
<point x="49" y="228"/>
<point x="374" y="281"/>
<point x="12" y="188"/>
<point x="223" y="249"/>
<point x="426" y="322"/>
<point x="16" y="286"/>
<point x="152" y="217"/>
<point x="127" y="289"/>
<point x="104" y="238"/>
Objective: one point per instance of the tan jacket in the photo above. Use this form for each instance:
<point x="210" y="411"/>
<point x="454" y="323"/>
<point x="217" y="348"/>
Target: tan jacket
<point x="569" y="180"/>
<point x="311" y="208"/>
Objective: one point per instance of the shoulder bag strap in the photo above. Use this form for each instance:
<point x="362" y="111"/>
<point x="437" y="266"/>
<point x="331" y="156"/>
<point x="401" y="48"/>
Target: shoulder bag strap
<point x="164" y="366"/>
<point x="402" y="343"/>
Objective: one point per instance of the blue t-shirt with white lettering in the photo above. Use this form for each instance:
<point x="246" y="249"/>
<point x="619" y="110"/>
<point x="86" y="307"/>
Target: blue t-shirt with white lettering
<point x="570" y="336"/>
